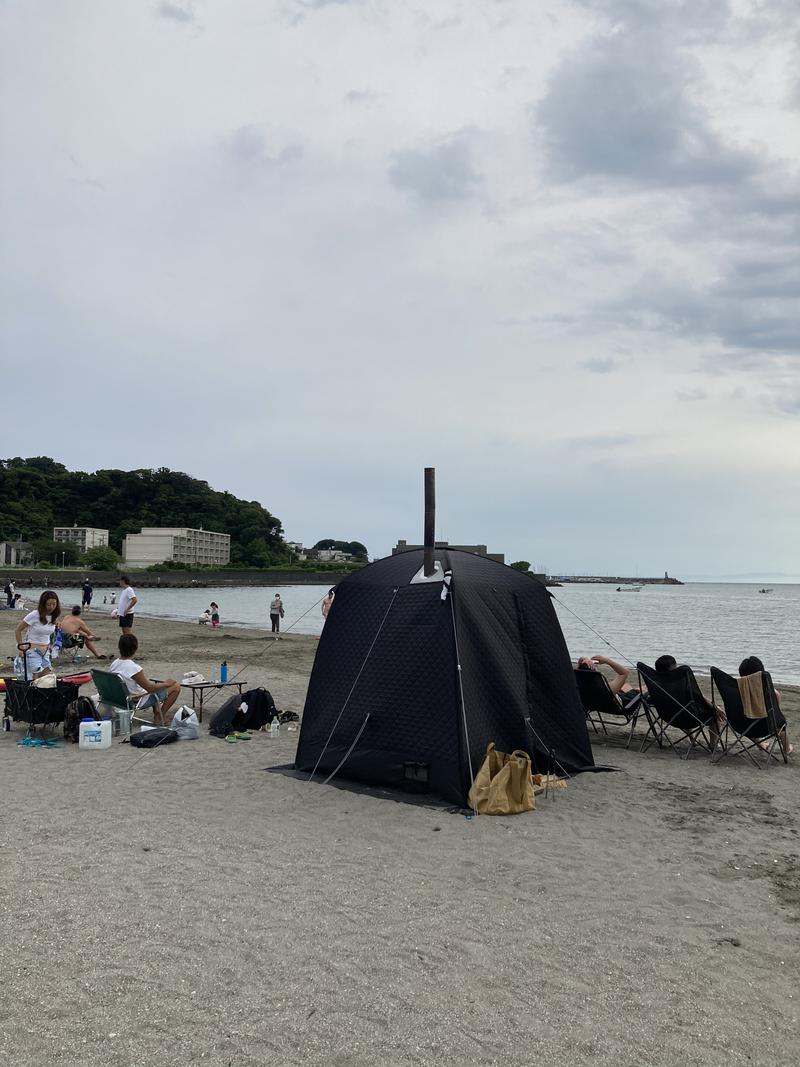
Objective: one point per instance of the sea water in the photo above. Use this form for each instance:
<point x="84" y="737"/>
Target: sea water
<point x="699" y="623"/>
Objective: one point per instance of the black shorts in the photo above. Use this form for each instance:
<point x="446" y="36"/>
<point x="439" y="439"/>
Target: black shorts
<point x="126" y="620"/>
<point x="87" y="598"/>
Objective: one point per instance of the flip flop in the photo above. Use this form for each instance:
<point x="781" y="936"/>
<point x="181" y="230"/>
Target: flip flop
<point x="231" y="739"/>
<point x="242" y="737"/>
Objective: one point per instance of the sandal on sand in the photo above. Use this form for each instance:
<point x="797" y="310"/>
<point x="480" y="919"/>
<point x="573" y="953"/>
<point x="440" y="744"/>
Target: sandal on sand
<point x="242" y="737"/>
<point x="231" y="739"/>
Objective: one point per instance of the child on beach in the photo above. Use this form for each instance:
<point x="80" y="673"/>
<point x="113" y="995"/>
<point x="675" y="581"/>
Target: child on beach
<point x="214" y="610"/>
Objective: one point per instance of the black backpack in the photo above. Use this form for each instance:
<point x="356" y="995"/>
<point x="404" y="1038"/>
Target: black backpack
<point x="159" y="735"/>
<point x="260" y="710"/>
<point x="82" y="708"/>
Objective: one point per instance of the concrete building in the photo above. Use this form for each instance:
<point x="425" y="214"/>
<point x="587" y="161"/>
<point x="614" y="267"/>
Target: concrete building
<point x="85" y="537"/>
<point x="176" y="544"/>
<point x="476" y="550"/>
<point x="15" y="553"/>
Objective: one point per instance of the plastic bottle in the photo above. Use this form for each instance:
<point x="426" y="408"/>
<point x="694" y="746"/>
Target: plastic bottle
<point x="274" y="728"/>
<point x="223" y="671"/>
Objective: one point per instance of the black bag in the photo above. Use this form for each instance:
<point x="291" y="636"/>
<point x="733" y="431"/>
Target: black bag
<point x="260" y="710"/>
<point x="82" y="708"/>
<point x="288" y="716"/>
<point x="159" y="735"/>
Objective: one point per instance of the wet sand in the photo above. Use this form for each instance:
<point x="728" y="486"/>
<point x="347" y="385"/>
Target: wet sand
<point x="195" y="905"/>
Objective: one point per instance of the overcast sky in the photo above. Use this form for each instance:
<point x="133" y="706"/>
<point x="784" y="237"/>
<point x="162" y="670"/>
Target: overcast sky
<point x="302" y="249"/>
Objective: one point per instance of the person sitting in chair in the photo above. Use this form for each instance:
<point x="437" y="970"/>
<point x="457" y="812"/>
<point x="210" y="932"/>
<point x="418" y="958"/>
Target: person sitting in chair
<point x="753" y="665"/>
<point x="619" y="683"/>
<point x="77" y="634"/>
<point x="159" y="695"/>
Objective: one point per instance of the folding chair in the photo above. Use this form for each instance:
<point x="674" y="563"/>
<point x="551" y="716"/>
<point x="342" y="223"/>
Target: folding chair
<point x="674" y="702"/>
<point x="750" y="733"/>
<point x="599" y="701"/>
<point x="114" y="694"/>
<point x="72" y="646"/>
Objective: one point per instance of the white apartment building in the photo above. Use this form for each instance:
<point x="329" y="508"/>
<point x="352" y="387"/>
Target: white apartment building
<point x="176" y="544"/>
<point x="85" y="537"/>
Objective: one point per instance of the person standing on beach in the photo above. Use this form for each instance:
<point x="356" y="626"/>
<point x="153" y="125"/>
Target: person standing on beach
<point x="9" y="591"/>
<point x="38" y="628"/>
<point x="214" y="610"/>
<point x="276" y="613"/>
<point x="86" y="602"/>
<point x="327" y="603"/>
<point x="127" y="601"/>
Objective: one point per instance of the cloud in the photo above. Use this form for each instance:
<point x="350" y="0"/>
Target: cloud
<point x="444" y="172"/>
<point x="166" y="9"/>
<point x="362" y="96"/>
<point x="691" y="396"/>
<point x="602" y="442"/>
<point x="250" y="145"/>
<point x="753" y="308"/>
<point x="620" y="107"/>
<point x="601" y="365"/>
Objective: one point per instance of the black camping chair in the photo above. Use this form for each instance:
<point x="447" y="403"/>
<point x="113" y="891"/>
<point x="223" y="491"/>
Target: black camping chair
<point x="674" y="702"/>
<point x="748" y="733"/>
<point x="599" y="701"/>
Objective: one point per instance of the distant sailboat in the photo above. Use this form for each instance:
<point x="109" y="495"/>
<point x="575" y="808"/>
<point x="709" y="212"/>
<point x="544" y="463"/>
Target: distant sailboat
<point x="765" y="590"/>
<point x="629" y="589"/>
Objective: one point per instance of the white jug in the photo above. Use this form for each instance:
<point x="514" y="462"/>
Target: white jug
<point x="95" y="735"/>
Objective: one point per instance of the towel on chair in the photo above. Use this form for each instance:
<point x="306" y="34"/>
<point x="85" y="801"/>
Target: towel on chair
<point x="751" y="690"/>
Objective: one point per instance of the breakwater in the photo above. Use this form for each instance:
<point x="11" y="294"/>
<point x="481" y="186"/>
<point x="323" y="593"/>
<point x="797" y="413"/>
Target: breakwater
<point x="597" y="579"/>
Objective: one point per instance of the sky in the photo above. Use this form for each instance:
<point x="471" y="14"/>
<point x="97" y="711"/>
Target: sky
<point x="302" y="249"/>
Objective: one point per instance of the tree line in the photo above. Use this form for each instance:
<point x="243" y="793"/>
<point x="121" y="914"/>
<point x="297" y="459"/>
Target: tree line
<point x="37" y="494"/>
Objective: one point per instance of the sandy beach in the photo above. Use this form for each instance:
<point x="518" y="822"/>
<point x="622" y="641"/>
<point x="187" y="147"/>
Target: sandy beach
<point x="202" y="904"/>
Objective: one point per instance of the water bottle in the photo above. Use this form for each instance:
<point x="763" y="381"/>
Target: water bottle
<point x="223" y="671"/>
<point x="274" y="728"/>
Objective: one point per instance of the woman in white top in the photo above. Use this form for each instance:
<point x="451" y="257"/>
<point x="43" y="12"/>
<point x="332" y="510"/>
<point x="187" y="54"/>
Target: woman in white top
<point x="40" y="625"/>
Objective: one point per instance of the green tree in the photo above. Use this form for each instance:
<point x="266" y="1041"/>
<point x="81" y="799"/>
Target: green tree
<point x="355" y="548"/>
<point x="101" y="558"/>
<point x="521" y="565"/>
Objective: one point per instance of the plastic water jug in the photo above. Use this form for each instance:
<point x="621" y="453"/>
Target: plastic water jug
<point x="94" y="735"/>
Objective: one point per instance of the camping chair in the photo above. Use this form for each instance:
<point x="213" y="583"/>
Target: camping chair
<point x="598" y="701"/>
<point x="750" y="733"/>
<point x="72" y="646"/>
<point x="114" y="694"/>
<point x="676" y="703"/>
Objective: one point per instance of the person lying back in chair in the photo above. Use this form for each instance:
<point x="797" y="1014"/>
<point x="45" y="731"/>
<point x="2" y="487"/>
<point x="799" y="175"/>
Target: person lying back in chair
<point x="160" y="695"/>
<point x="619" y="683"/>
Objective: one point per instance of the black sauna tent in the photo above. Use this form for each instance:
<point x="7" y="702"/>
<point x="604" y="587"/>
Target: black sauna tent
<point x="385" y="680"/>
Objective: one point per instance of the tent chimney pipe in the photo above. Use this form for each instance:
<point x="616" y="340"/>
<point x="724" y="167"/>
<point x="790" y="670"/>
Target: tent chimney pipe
<point x="430" y="521"/>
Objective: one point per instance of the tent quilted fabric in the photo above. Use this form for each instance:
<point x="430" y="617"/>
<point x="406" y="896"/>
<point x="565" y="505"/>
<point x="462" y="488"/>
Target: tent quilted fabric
<point x="387" y="664"/>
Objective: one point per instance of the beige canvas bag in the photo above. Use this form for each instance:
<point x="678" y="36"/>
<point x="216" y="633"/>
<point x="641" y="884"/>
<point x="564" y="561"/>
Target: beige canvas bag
<point x="503" y="785"/>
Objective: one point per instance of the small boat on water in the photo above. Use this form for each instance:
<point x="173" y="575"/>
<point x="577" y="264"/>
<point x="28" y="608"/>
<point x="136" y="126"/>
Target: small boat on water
<point x="629" y="589"/>
<point x="765" y="590"/>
